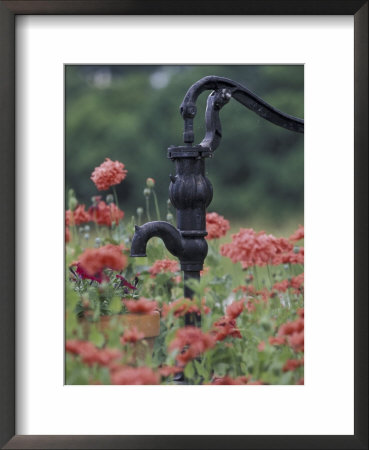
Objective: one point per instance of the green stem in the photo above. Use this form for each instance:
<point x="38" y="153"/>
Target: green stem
<point x="147" y="208"/>
<point x="257" y="278"/>
<point x="156" y="204"/>
<point x="115" y="196"/>
<point x="270" y="276"/>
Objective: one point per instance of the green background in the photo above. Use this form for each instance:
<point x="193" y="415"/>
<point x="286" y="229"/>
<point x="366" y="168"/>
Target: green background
<point x="131" y="113"/>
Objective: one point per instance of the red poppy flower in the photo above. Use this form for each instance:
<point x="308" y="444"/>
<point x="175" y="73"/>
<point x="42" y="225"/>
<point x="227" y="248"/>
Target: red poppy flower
<point x="104" y="214"/>
<point x="293" y="364"/>
<point x="276" y="340"/>
<point x="290" y="257"/>
<point x="235" y="309"/>
<point x="192" y="342"/>
<point x="92" y="355"/>
<point x="216" y="226"/>
<point x="225" y="327"/>
<point x="109" y="173"/>
<point x="80" y="215"/>
<point x="94" y="260"/>
<point x="296" y="341"/>
<point x="252" y="248"/>
<point x="131" y="336"/>
<point x="298" y="281"/>
<point x="163" y="265"/>
<point x="184" y="306"/>
<point x="75" y="346"/>
<point x="102" y="357"/>
<point x="141" y="306"/>
<point x="281" y="286"/>
<point x="294" y="332"/>
<point x="297" y="235"/>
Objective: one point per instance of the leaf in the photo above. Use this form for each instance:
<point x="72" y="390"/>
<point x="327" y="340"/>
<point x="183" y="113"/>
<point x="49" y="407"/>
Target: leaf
<point x="189" y="371"/>
<point x="115" y="305"/>
<point x="220" y="369"/>
<point x="96" y="337"/>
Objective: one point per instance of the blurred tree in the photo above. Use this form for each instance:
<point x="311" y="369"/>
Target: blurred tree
<point x="131" y="114"/>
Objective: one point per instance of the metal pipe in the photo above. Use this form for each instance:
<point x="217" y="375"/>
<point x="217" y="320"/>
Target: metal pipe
<point x="190" y="191"/>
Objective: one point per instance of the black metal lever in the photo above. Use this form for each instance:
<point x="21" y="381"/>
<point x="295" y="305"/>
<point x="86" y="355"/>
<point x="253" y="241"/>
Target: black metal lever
<point x="225" y="89"/>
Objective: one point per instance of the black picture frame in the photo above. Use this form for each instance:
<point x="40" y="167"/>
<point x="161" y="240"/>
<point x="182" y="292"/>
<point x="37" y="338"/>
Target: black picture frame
<point x="8" y="12"/>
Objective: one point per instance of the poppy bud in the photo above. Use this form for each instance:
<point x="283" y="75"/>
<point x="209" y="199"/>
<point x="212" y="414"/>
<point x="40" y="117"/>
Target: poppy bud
<point x="109" y="198"/>
<point x="169" y="217"/>
<point x="150" y="182"/>
<point x="72" y="203"/>
<point x="139" y="211"/>
<point x="146" y="192"/>
<point x="296" y="249"/>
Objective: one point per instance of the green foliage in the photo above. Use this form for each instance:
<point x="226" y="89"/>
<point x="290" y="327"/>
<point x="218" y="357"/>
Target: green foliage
<point x="247" y="354"/>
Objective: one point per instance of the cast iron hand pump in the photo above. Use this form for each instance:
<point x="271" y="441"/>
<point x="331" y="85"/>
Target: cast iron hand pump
<point x="190" y="191"/>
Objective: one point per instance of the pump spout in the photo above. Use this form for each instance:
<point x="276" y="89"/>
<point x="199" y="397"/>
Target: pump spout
<point x="171" y="237"/>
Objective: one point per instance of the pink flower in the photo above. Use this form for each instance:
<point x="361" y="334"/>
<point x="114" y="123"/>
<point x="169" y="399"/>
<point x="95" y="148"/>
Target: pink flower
<point x="297" y="235"/>
<point x="104" y="214"/>
<point x="298" y="281"/>
<point x="216" y="226"/>
<point x="296" y="341"/>
<point x="141" y="306"/>
<point x="290" y="257"/>
<point x="278" y="340"/>
<point x="235" y="309"/>
<point x="184" y="306"/>
<point x="252" y="248"/>
<point x="281" y="286"/>
<point x="108" y="174"/>
<point x="294" y="331"/>
<point x="80" y="215"/>
<point x="131" y="336"/>
<point x="192" y="342"/>
<point x="92" y="355"/>
<point x="94" y="260"/>
<point x="163" y="265"/>
<point x="293" y="364"/>
<point x="225" y="327"/>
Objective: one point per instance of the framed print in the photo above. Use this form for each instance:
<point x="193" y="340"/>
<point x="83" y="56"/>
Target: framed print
<point x="40" y="43"/>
